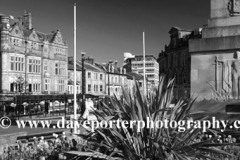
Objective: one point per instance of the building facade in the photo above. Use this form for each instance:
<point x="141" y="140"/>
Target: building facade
<point x="116" y="78"/>
<point x="40" y="59"/>
<point x="71" y="78"/>
<point x="133" y="75"/>
<point x="215" y="55"/>
<point x="151" y="67"/>
<point x="95" y="77"/>
<point x="175" y="62"/>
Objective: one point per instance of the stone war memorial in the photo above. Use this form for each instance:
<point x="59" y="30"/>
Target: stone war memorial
<point x="215" y="57"/>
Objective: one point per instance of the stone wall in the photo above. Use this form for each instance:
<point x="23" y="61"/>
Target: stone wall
<point x="220" y="40"/>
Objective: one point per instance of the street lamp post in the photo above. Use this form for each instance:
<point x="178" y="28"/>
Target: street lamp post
<point x="25" y="85"/>
<point x="75" y="57"/>
<point x="25" y="104"/>
<point x="83" y="84"/>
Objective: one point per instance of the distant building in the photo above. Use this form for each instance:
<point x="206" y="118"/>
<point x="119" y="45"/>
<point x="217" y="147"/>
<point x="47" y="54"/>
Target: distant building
<point x="95" y="77"/>
<point x="115" y="78"/>
<point x="39" y="59"/>
<point x="175" y="61"/>
<point x="134" y="75"/>
<point x="151" y="67"/>
<point x="71" y="78"/>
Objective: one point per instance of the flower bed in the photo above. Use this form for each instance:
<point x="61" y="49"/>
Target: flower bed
<point x="43" y="149"/>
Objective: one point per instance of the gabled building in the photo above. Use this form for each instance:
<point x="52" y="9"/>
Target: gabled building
<point x="175" y="61"/>
<point x="115" y="78"/>
<point x="94" y="79"/>
<point x="39" y="58"/>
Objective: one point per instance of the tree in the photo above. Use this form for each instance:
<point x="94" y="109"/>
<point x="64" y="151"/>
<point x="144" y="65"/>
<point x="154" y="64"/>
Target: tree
<point x="21" y="83"/>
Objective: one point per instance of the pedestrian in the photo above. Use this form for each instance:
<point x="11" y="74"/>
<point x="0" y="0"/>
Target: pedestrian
<point x="46" y="107"/>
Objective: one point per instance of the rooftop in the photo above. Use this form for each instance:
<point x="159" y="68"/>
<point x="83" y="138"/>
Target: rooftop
<point x="147" y="55"/>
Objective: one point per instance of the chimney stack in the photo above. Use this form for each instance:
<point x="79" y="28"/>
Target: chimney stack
<point x="27" y="20"/>
<point x="124" y="71"/>
<point x="89" y="60"/>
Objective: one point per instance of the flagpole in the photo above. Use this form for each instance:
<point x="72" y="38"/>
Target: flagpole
<point x="144" y="74"/>
<point x="75" y="76"/>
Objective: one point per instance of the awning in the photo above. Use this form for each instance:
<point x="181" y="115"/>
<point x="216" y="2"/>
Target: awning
<point x="95" y="95"/>
<point x="72" y="83"/>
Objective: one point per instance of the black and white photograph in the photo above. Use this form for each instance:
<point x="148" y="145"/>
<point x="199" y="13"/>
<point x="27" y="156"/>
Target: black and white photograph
<point x="119" y="80"/>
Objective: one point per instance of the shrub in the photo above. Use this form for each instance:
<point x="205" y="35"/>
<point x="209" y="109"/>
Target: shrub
<point x="150" y="143"/>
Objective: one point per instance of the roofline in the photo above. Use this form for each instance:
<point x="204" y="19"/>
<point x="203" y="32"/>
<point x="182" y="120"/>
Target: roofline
<point x="147" y="55"/>
<point x="180" y="29"/>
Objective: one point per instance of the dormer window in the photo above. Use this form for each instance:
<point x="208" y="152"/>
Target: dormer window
<point x="16" y="42"/>
<point x="34" y="45"/>
<point x="112" y="69"/>
<point x="124" y="71"/>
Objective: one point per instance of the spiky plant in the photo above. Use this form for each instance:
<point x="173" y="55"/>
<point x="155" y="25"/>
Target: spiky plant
<point x="150" y="143"/>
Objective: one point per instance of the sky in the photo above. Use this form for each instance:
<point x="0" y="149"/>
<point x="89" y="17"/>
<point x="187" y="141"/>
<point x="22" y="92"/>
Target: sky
<point x="108" y="28"/>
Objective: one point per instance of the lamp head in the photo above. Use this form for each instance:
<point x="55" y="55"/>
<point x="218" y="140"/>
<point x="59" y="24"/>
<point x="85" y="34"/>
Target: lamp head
<point x="83" y="53"/>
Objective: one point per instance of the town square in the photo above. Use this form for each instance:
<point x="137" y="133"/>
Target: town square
<point x="120" y="80"/>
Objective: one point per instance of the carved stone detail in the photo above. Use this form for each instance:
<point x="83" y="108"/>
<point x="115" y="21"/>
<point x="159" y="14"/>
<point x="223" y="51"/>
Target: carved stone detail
<point x="230" y="75"/>
<point x="234" y="7"/>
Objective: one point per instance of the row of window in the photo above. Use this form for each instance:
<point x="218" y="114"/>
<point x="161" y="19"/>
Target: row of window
<point x="47" y="85"/>
<point x="36" y="87"/>
<point x="60" y="86"/>
<point x="59" y="69"/>
<point x="60" y="51"/>
<point x="150" y="70"/>
<point x="115" y="79"/>
<point x="20" y="42"/>
<point x="95" y="76"/>
<point x="35" y="45"/>
<point x="34" y="66"/>
<point x="141" y="59"/>
<point x="150" y="75"/>
<point x="17" y="64"/>
<point x="141" y="65"/>
<point x="114" y="90"/>
<point x="71" y="90"/>
<point x="33" y="87"/>
<point x="95" y="88"/>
